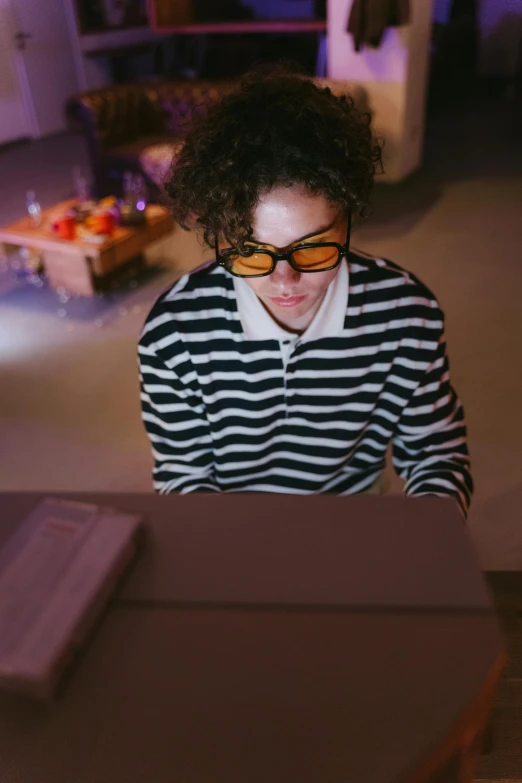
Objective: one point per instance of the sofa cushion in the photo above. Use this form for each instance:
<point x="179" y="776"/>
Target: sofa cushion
<point x="128" y="155"/>
<point x="156" y="161"/>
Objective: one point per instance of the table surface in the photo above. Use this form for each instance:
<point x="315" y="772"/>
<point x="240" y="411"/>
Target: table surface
<point x="268" y="637"/>
<point x="364" y="550"/>
<point x="23" y="231"/>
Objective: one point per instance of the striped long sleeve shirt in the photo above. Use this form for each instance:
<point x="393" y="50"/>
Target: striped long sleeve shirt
<point x="228" y="413"/>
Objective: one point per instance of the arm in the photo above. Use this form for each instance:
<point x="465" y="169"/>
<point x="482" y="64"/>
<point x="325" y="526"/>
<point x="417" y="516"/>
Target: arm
<point x="430" y="443"/>
<point x="174" y="417"/>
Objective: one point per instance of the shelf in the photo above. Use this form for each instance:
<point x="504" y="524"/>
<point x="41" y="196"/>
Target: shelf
<point x="279" y="26"/>
<point x="96" y="44"/>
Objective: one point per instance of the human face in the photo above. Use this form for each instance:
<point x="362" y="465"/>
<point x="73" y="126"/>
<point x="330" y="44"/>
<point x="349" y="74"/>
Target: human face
<point x="283" y="217"/>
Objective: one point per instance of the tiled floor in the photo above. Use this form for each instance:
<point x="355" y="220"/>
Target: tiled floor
<point x="68" y="389"/>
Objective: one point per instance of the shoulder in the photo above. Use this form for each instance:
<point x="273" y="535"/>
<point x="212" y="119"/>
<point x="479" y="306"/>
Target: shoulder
<point x="379" y="282"/>
<point x="189" y="306"/>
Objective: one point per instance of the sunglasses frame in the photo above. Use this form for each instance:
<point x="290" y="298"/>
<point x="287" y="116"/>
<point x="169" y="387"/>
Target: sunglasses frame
<point x="221" y="256"/>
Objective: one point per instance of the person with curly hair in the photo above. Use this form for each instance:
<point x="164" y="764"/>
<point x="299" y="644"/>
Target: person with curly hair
<point x="291" y="362"/>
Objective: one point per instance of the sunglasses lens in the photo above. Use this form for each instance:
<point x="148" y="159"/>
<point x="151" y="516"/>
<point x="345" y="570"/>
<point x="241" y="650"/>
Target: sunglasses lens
<point x="258" y="263"/>
<point x="313" y="259"/>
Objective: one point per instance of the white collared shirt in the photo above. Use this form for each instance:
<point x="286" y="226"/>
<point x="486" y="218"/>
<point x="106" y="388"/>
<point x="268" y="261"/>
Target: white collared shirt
<point x="258" y="324"/>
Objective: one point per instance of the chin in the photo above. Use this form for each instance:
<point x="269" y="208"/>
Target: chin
<point x="290" y="317"/>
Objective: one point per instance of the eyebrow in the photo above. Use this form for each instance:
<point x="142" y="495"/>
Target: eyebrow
<point x="322" y="230"/>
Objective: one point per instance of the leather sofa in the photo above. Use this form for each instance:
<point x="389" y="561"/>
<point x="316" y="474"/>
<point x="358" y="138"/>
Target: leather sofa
<point x="138" y="127"/>
<point x="122" y="122"/>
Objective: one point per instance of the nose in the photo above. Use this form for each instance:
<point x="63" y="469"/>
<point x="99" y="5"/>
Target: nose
<point x="284" y="274"/>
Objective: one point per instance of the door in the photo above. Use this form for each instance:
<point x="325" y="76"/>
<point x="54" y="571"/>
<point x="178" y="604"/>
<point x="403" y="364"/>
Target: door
<point x="14" y="120"/>
<point x="42" y="46"/>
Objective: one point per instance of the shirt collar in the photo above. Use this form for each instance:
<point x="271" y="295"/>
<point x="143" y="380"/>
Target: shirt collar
<point x="258" y="324"/>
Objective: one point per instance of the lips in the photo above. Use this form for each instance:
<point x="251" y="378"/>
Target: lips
<point x="287" y="301"/>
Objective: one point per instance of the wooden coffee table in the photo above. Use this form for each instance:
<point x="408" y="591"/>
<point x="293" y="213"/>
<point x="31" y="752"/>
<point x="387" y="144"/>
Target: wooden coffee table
<point x="80" y="266"/>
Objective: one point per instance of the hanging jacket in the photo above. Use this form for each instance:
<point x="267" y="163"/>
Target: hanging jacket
<point x="369" y="19"/>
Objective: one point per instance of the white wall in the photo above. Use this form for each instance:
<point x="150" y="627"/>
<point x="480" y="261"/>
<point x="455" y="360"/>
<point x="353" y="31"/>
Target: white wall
<point x="36" y="81"/>
<point x="394" y="77"/>
<point x="418" y="45"/>
<point x="14" y="122"/>
<point x="500" y="23"/>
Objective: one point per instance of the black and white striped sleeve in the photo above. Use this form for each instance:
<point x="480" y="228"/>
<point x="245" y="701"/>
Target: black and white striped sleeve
<point x="174" y="417"/>
<point x="430" y="444"/>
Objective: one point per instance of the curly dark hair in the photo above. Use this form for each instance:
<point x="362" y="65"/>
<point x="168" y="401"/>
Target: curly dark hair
<point x="277" y="129"/>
